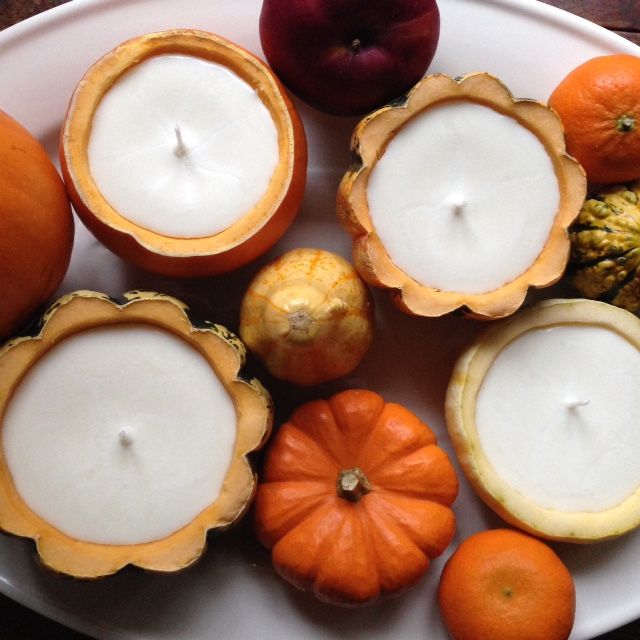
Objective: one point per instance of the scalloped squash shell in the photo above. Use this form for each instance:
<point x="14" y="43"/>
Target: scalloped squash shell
<point x="369" y="144"/>
<point x="222" y="352"/>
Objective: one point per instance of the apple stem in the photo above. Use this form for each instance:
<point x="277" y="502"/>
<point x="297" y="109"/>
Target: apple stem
<point x="356" y="45"/>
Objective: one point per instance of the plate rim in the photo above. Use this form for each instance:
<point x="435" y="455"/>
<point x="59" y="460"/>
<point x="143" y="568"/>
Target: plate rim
<point x="48" y="19"/>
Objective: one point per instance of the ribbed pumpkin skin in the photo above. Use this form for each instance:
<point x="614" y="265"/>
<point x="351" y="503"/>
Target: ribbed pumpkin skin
<point x="351" y="552"/>
<point x="308" y="316"/>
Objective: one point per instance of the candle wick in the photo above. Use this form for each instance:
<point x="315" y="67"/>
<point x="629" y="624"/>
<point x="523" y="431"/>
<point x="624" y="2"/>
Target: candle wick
<point x="457" y="203"/>
<point x="181" y="149"/>
<point x="574" y="404"/>
<point x="125" y="437"/>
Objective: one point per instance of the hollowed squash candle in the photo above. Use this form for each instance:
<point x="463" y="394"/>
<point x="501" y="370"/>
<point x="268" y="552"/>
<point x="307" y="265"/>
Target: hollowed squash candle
<point x="544" y="419"/>
<point x="461" y="197"/>
<point x="124" y="434"/>
<point x="183" y="154"/>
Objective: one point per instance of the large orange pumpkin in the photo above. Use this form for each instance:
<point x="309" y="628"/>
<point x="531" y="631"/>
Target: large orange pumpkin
<point x="36" y="226"/>
<point x="355" y="498"/>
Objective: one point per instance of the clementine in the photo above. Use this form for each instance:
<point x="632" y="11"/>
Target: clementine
<point x="36" y="226"/>
<point x="506" y="585"/>
<point x="599" y="105"/>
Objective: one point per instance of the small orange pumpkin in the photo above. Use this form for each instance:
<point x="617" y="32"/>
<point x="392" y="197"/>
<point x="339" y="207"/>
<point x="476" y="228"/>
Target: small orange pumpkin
<point x="355" y="498"/>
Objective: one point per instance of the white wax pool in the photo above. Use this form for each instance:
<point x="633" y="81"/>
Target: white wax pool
<point x="182" y="146"/>
<point x="558" y="418"/>
<point x="463" y="198"/>
<point x="119" y="435"/>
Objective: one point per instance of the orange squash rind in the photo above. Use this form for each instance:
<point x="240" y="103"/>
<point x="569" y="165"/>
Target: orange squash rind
<point x="223" y="351"/>
<point x="368" y="144"/>
<point x="36" y="227"/>
<point x="250" y="236"/>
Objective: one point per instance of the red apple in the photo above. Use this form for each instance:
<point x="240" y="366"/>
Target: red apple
<point x="347" y="57"/>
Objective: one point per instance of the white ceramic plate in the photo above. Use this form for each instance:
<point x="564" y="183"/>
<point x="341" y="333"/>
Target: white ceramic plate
<point x="233" y="592"/>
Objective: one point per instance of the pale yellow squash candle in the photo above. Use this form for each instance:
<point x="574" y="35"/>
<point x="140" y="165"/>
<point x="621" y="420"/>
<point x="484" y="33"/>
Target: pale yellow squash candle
<point x="544" y="417"/>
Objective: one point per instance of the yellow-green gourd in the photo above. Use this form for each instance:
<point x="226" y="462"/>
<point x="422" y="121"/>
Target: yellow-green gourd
<point x="605" y="247"/>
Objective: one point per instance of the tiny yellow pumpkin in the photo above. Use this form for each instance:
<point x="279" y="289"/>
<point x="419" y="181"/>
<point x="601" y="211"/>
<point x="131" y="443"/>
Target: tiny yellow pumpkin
<point x="308" y="316"/>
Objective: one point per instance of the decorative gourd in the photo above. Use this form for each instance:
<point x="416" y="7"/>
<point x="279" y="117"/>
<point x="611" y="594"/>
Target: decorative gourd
<point x="80" y="313"/>
<point x="605" y="247"/>
<point x="36" y="226"/>
<point x="541" y="411"/>
<point x="355" y="498"/>
<point x="371" y="143"/>
<point x="308" y="317"/>
<point x="249" y="236"/>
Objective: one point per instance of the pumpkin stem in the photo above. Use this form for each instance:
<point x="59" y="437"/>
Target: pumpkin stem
<point x="305" y="322"/>
<point x="300" y="322"/>
<point x="626" y="124"/>
<point x="352" y="484"/>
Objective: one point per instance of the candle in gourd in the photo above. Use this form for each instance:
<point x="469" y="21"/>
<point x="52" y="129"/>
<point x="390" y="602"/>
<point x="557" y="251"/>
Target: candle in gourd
<point x="461" y="198"/>
<point x="182" y="153"/>
<point x="124" y="434"/>
<point x="544" y="419"/>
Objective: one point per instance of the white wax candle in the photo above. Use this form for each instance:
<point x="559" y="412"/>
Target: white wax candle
<point x="119" y="435"/>
<point x="463" y="198"/>
<point x="557" y="421"/>
<point x="182" y="146"/>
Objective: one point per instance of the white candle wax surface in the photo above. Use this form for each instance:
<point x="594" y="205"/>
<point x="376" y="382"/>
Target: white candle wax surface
<point x="463" y="198"/>
<point x="119" y="435"/>
<point x="182" y="146"/>
<point x="557" y="421"/>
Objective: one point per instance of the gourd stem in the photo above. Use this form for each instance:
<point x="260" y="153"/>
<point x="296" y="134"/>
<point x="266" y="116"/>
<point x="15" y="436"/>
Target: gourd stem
<point x="352" y="484"/>
<point x="300" y="322"/>
<point x="306" y="321"/>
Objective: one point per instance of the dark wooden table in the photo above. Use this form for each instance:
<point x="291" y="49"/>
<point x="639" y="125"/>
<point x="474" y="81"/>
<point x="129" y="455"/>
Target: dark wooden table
<point x="622" y="16"/>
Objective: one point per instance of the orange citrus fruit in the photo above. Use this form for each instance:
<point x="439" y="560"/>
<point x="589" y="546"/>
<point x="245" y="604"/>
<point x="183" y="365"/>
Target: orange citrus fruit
<point x="36" y="226"/>
<point x="506" y="585"/>
<point x="599" y="105"/>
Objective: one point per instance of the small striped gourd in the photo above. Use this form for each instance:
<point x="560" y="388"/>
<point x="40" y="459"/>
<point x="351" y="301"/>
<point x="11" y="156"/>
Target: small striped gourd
<point x="308" y="316"/>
